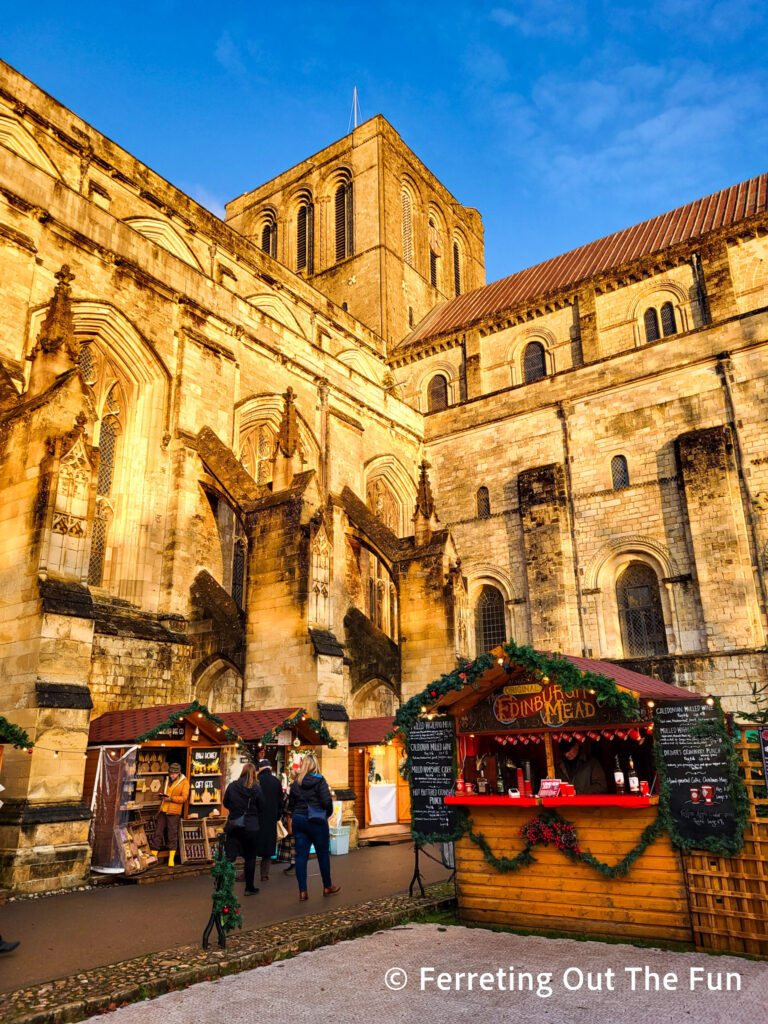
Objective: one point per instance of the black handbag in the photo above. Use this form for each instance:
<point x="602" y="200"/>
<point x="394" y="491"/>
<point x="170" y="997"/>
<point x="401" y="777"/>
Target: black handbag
<point x="239" y="821"/>
<point x="316" y="813"/>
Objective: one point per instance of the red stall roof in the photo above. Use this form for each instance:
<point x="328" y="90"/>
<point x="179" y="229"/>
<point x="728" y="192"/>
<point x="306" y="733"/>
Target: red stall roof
<point x="364" y="731"/>
<point x="252" y="725"/>
<point x="125" y="726"/>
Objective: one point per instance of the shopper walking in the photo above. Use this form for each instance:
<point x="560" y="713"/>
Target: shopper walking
<point x="310" y="803"/>
<point x="244" y="800"/>
<point x="273" y="809"/>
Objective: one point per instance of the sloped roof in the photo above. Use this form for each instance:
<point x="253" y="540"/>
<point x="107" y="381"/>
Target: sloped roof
<point x="252" y="725"/>
<point x="125" y="726"/>
<point x="369" y="730"/>
<point x="683" y="224"/>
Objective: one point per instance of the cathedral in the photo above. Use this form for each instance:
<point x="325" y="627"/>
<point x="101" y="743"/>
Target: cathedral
<point x="306" y="456"/>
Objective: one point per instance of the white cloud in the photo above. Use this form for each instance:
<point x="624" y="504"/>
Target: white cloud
<point x="227" y="53"/>
<point x="559" y="18"/>
<point x="207" y="199"/>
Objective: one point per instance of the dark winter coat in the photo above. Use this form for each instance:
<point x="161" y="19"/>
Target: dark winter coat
<point x="273" y="809"/>
<point x="236" y="802"/>
<point x="313" y="790"/>
<point x="585" y="772"/>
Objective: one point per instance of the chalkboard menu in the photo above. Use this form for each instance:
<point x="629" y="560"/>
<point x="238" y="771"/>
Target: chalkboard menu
<point x="700" y="797"/>
<point x="431" y="747"/>
<point x="764" y="752"/>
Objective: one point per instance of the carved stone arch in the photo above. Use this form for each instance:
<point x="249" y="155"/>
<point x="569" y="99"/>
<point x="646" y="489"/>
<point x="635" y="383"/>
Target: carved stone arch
<point x="655" y="293"/>
<point x="449" y="371"/>
<point x="485" y="572"/>
<point x="14" y="136"/>
<point x="217" y="682"/>
<point x="516" y="351"/>
<point x="375" y="698"/>
<point x="267" y="407"/>
<point x="274" y="308"/>
<point x="602" y="574"/>
<point x="657" y="552"/>
<point x="339" y="175"/>
<point x="161" y="233"/>
<point x="393" y="473"/>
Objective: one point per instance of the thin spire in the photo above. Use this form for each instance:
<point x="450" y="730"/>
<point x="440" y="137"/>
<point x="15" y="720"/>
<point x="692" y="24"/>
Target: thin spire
<point x="354" y="114"/>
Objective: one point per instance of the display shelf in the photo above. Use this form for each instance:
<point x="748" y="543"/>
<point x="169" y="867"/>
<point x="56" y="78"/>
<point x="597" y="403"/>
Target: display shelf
<point x="599" y="800"/>
<point x="143" y="775"/>
<point x="474" y="800"/>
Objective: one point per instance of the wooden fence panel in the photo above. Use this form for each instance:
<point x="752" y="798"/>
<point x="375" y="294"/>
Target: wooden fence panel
<point x="728" y="896"/>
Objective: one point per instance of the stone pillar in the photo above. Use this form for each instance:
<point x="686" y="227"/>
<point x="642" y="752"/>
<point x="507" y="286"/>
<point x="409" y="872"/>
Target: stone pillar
<point x="720" y="296"/>
<point x="473" y="370"/>
<point x="586" y="312"/>
<point x="544" y="515"/>
<point x="719" y="538"/>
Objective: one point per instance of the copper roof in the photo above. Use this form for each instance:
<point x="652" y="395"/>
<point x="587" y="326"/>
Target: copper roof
<point x="369" y="730"/>
<point x="697" y="218"/>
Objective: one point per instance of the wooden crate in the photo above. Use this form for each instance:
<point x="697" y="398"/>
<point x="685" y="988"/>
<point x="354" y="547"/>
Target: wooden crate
<point x="728" y="896"/>
<point x="192" y="840"/>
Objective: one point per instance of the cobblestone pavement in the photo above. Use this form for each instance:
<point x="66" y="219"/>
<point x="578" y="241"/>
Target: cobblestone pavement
<point x="345" y="983"/>
<point x="103" y="988"/>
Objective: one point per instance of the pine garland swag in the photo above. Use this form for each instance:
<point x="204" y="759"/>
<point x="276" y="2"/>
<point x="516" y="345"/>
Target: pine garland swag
<point x="176" y="716"/>
<point x="317" y="726"/>
<point x="14" y="734"/>
<point x="225" y="903"/>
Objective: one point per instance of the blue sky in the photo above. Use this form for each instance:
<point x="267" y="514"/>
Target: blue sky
<point x="560" y="120"/>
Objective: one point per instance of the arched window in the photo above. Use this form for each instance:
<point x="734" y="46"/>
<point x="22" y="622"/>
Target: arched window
<point x="619" y="472"/>
<point x="456" y="268"/>
<point x="490" y="626"/>
<point x="651" y="321"/>
<point x="256" y="452"/>
<point x="269" y="237"/>
<point x="238" y="569"/>
<point x="434" y="252"/>
<point x="305" y="237"/>
<point x="483" y="503"/>
<point x="668" y="325"/>
<point x="534" y="362"/>
<point x="405" y="198"/>
<point x="343" y="215"/>
<point x="109" y="398"/>
<point x="640" y="615"/>
<point x="437" y="393"/>
<point x="320" y="585"/>
<point x="382" y="502"/>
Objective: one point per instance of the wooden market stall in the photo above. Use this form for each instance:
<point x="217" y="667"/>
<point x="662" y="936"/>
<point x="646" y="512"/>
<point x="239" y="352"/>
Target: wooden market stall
<point x="620" y="874"/>
<point x="282" y="735"/>
<point x="126" y="771"/>
<point x="382" y="795"/>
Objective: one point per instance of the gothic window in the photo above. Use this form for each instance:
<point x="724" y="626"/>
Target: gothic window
<point x="437" y="393"/>
<point x="382" y="502"/>
<point x="668" y="325"/>
<point x="410" y="317"/>
<point x="109" y="398"/>
<point x="619" y="472"/>
<point x="257" y="451"/>
<point x="238" y="571"/>
<point x="392" y="611"/>
<point x="651" y="321"/>
<point x="405" y="198"/>
<point x="483" y="503"/>
<point x="343" y="214"/>
<point x="640" y="615"/>
<point x="269" y="237"/>
<point x="456" y="269"/>
<point x="320" y="583"/>
<point x="433" y="253"/>
<point x="490" y="625"/>
<point x="305" y="237"/>
<point x="534" y="362"/>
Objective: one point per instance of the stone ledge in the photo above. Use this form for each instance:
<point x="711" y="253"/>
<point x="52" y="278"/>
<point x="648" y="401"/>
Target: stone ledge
<point x="103" y="988"/>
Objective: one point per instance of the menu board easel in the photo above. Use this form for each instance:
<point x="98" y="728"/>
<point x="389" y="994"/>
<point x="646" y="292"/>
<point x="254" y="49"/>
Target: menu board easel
<point x="431" y="748"/>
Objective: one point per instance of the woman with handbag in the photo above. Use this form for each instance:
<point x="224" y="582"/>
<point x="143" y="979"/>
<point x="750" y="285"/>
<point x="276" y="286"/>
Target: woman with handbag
<point x="244" y="800"/>
<point x="310" y="804"/>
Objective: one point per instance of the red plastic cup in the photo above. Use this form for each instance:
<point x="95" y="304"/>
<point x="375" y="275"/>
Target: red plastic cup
<point x="644" y="788"/>
<point x="695" y="794"/>
<point x="708" y="792"/>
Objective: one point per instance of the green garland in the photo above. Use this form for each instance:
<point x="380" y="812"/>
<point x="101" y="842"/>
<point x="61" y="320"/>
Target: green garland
<point x="553" y="667"/>
<point x="13" y="734"/>
<point x="313" y="723"/>
<point x="225" y="903"/>
<point x="176" y="717"/>
<point x="728" y="846"/>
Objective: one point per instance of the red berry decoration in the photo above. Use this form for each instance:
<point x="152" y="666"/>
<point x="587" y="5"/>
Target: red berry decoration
<point x="226" y="910"/>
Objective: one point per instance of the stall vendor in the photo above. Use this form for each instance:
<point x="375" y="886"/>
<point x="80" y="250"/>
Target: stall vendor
<point x="579" y="767"/>
<point x="176" y="794"/>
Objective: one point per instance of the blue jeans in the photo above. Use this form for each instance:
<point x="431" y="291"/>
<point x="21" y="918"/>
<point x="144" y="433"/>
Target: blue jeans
<point x="311" y="833"/>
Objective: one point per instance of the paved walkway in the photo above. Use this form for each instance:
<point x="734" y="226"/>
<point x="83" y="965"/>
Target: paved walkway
<point x="68" y="933"/>
<point x="345" y="983"/>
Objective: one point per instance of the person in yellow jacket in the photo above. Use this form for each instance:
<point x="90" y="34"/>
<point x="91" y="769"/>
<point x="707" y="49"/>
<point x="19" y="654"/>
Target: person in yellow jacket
<point x="167" y="824"/>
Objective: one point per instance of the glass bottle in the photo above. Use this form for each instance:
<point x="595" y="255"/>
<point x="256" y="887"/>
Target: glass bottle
<point x="618" y="778"/>
<point x="634" y="781"/>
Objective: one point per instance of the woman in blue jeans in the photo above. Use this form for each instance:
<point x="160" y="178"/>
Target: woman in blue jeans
<point x="310" y="804"/>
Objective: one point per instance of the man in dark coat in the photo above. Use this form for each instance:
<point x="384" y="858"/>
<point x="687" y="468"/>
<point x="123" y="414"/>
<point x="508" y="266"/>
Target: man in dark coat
<point x="273" y="810"/>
